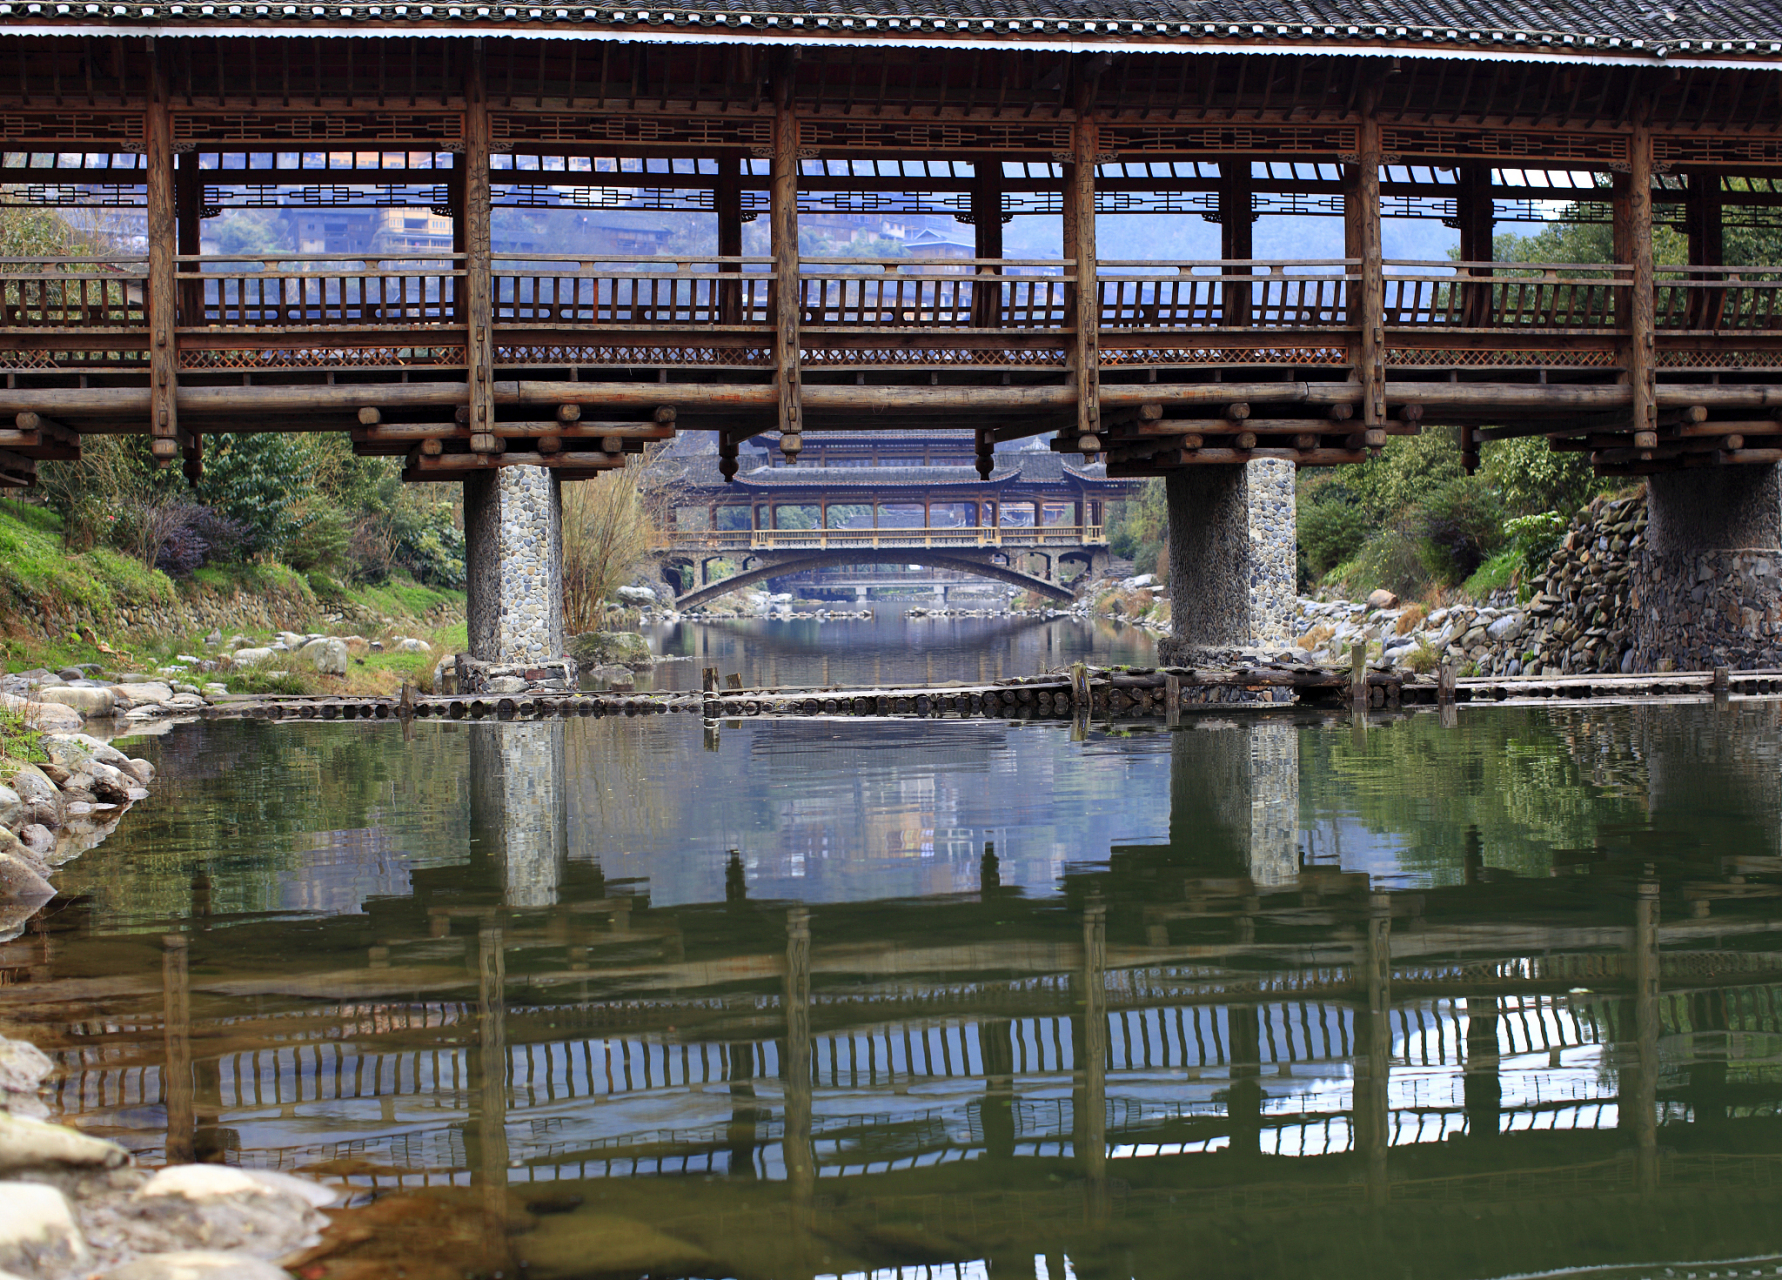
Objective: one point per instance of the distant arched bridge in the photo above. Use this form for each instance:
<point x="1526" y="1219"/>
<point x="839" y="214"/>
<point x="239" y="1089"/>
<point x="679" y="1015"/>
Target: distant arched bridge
<point x="991" y="553"/>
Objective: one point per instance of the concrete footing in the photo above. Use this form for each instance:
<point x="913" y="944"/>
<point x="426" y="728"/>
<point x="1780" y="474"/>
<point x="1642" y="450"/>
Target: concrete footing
<point x="1707" y="591"/>
<point x="1233" y="533"/>
<point x="513" y="546"/>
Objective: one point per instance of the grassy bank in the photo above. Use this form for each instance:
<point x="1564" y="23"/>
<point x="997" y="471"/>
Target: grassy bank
<point x="61" y="608"/>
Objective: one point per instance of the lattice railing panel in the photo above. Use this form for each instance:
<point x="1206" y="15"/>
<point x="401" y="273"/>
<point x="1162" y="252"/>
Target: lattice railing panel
<point x="1499" y="358"/>
<point x="1112" y="357"/>
<point x="637" y="130"/>
<point x="329" y="357"/>
<point x="627" y="355"/>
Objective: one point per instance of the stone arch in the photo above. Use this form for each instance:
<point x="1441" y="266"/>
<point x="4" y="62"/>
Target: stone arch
<point x="765" y="567"/>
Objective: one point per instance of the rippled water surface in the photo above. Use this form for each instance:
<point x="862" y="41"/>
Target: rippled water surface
<point x="1277" y="996"/>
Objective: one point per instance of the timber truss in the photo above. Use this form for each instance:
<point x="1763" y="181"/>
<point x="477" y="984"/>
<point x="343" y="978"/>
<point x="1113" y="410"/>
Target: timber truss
<point x="453" y="352"/>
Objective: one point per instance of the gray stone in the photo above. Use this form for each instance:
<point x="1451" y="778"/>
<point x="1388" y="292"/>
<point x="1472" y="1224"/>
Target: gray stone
<point x="507" y="684"/>
<point x="38" y="1235"/>
<point x="328" y="655"/>
<point x="23" y="1068"/>
<point x="12" y="807"/>
<point x="84" y="699"/>
<point x="140" y="769"/>
<point x="146" y="693"/>
<point x="27" y="1144"/>
<point x="411" y="645"/>
<point x="513" y="522"/>
<point x="197" y="1264"/>
<point x="50" y="717"/>
<point x="1382" y="599"/>
<point x="1507" y="627"/>
<point x="214" y="640"/>
<point x="638" y="595"/>
<point x="23" y="883"/>
<point x="251" y="657"/>
<point x="38" y="839"/>
<point x="218" y="1207"/>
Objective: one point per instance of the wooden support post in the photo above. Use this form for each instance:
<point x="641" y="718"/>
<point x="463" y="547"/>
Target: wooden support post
<point x="1358" y="671"/>
<point x="786" y="285"/>
<point x="1237" y="221"/>
<point x="1361" y="235"/>
<point x="1474" y="214"/>
<point x="728" y="198"/>
<point x="1172" y="700"/>
<point x="163" y="297"/>
<point x="986" y="221"/>
<point x="1079" y="185"/>
<point x="478" y="292"/>
<point x="176" y="1029"/>
<point x="1642" y="370"/>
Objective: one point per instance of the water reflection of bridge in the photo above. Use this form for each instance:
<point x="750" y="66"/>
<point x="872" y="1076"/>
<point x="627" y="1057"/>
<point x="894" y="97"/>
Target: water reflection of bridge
<point x="1203" y="1019"/>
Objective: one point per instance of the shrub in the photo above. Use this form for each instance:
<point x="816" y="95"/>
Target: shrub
<point x="195" y="536"/>
<point x="1331" y="532"/>
<point x="1392" y="559"/>
<point x="1461" y="522"/>
<point x="1423" y="660"/>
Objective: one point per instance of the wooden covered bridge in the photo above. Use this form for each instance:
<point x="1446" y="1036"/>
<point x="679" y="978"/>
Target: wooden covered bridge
<point x="512" y="361"/>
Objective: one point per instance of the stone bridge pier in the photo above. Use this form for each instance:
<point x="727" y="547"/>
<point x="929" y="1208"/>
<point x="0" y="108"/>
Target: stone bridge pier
<point x="1707" y="588"/>
<point x="1233" y="533"/>
<point x="513" y="550"/>
<point x="519" y="801"/>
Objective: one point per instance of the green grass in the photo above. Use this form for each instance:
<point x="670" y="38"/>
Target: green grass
<point x="38" y="576"/>
<point x="1494" y="574"/>
<point x="19" y="743"/>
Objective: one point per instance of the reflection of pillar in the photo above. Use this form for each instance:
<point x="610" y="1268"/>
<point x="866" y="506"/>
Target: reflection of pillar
<point x="176" y="1074"/>
<point x="1642" y="1098"/>
<point x="989" y="871"/>
<point x="1481" y="1087"/>
<point x="488" y="1159"/>
<point x="800" y="1156"/>
<point x="519" y="808"/>
<point x="1372" y="1104"/>
<point x="1243" y="1101"/>
<point x="744" y="1113"/>
<point x="1274" y="804"/>
<point x="1090" y="1104"/>
<point x="997" y="1111"/>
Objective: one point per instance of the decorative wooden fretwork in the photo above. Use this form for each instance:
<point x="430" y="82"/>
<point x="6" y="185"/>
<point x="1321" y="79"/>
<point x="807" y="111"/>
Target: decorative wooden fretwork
<point x="632" y="355"/>
<point x="847" y="137"/>
<point x="1500" y="358"/>
<point x="630" y="130"/>
<point x="936" y="357"/>
<point x="1262" y="355"/>
<point x="1686" y="148"/>
<point x="1555" y="148"/>
<point x="384" y="127"/>
<point x="83" y="127"/>
<point x="26" y="358"/>
<point x="322" y="356"/>
<point x="1228" y="139"/>
<point x="1720" y="359"/>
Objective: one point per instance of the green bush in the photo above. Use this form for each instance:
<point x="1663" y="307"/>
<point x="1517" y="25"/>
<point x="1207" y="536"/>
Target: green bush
<point x="1461" y="523"/>
<point x="1331" y="532"/>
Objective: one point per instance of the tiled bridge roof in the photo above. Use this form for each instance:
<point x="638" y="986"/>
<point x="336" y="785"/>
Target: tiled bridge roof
<point x="1720" y="31"/>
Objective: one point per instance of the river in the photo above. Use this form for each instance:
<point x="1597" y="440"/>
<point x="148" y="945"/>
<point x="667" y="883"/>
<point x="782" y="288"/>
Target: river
<point x="1266" y="996"/>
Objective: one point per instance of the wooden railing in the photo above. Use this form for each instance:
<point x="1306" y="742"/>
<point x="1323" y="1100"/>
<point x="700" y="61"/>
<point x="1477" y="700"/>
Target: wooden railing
<point x="1557" y="295"/>
<point x="313" y="291"/>
<point x="72" y="293"/>
<point x="537" y="289"/>
<point x="1227" y="293"/>
<point x="1007" y="535"/>
<point x="968" y="293"/>
<point x="1719" y="299"/>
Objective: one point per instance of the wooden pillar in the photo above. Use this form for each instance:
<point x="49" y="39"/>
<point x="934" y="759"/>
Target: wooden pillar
<point x="1361" y="236"/>
<point x="163" y="297"/>
<point x="478" y="297"/>
<point x="986" y="221"/>
<point x="1475" y="216"/>
<point x="797" y="1149"/>
<point x="188" y="201"/>
<point x="1642" y="371"/>
<point x="728" y="199"/>
<point x="1237" y="223"/>
<point x="1079" y="204"/>
<point x="1702" y="220"/>
<point x="177" y="1093"/>
<point x="786" y="289"/>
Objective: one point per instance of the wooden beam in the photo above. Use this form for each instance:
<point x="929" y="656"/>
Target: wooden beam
<point x="783" y="196"/>
<point x="162" y="294"/>
<point x="401" y="431"/>
<point x="478" y="288"/>
<point x="1080" y="182"/>
<point x="1361" y="219"/>
<point x="1642" y="356"/>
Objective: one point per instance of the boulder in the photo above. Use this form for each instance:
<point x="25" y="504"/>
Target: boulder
<point x="49" y="717"/>
<point x="637" y="595"/>
<point x="109" y="783"/>
<point x="23" y="1068"/>
<point x="1507" y="627"/>
<point x="596" y="647"/>
<point x="252" y="657"/>
<point x="39" y="841"/>
<point x="1382" y="599"/>
<point x="411" y="645"/>
<point x="87" y="701"/>
<point x="12" y="808"/>
<point x="197" y="1264"/>
<point x="148" y="693"/>
<point x="142" y="770"/>
<point x="215" y="1206"/>
<point x="37" y="1231"/>
<point x="328" y="655"/>
<point x="22" y="883"/>
<point x="214" y="640"/>
<point x="71" y="673"/>
<point x="27" y="1144"/>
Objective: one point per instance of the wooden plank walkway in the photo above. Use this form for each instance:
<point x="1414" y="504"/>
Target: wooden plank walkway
<point x="1123" y="693"/>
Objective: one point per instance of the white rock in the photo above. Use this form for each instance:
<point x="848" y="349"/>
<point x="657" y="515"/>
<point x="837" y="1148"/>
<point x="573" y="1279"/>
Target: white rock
<point x="35" y="1144"/>
<point x="23" y="1067"/>
<point x="50" y="717"/>
<point x="1507" y="627"/>
<point x="137" y="695"/>
<point x="89" y="702"/>
<point x="252" y="657"/>
<point x="197" y="1264"/>
<point x="327" y="655"/>
<point x="315" y="1193"/>
<point x="637" y="595"/>
<point x="413" y="646"/>
<point x="202" y="1182"/>
<point x="37" y="1231"/>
